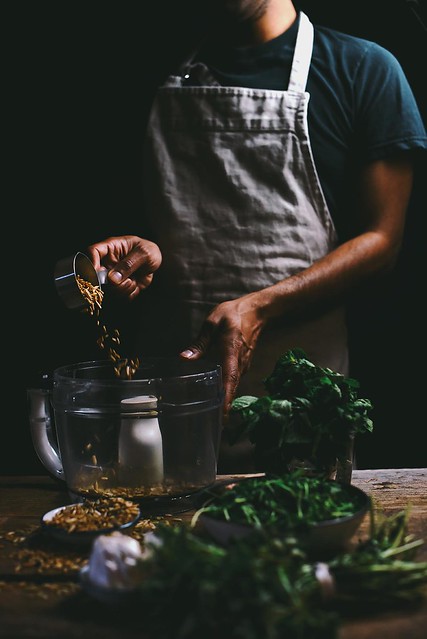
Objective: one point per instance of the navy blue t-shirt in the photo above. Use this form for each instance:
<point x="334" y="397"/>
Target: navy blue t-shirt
<point x="361" y="105"/>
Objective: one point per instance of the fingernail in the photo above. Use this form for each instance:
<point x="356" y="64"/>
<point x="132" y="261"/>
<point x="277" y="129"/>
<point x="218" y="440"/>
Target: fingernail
<point x="115" y="276"/>
<point x="187" y="353"/>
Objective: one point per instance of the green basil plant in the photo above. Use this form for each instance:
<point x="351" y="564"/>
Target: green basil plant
<point x="308" y="414"/>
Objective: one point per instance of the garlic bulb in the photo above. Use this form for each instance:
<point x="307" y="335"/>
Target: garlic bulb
<point x="114" y="561"/>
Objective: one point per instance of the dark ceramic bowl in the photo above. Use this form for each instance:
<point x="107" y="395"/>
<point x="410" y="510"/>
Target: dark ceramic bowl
<point x="82" y="537"/>
<point x="322" y="538"/>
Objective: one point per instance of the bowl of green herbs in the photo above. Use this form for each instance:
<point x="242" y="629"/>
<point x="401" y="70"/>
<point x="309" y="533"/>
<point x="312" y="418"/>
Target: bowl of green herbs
<point x="323" y="514"/>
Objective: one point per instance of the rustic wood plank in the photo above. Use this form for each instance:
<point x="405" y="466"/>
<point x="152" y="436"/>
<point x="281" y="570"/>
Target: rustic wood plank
<point x="50" y="608"/>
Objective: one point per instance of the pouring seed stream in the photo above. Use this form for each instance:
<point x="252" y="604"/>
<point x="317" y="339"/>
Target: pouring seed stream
<point x="109" y="341"/>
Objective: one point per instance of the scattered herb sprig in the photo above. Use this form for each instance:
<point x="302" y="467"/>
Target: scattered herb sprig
<point x="384" y="568"/>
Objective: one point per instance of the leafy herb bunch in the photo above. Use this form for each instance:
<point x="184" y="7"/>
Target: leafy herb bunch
<point x="309" y="413"/>
<point x="259" y="587"/>
<point x="265" y="585"/>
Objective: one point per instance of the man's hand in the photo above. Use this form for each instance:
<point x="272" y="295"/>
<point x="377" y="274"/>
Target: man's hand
<point x="130" y="261"/>
<point x="233" y="329"/>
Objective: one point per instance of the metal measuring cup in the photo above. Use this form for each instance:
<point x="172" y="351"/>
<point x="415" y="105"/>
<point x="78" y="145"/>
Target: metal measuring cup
<point x="65" y="276"/>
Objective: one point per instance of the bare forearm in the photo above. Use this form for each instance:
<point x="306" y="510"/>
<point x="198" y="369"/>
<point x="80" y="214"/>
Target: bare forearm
<point x="382" y="200"/>
<point x="329" y="280"/>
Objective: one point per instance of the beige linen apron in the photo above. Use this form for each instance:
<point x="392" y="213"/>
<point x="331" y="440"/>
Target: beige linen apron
<point x="236" y="205"/>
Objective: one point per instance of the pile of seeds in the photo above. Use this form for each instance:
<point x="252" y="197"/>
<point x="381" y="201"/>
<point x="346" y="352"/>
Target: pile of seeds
<point x="93" y="295"/>
<point x="108" y="341"/>
<point x="96" y="515"/>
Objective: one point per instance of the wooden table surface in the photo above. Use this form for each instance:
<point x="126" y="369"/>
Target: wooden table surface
<point x="41" y="596"/>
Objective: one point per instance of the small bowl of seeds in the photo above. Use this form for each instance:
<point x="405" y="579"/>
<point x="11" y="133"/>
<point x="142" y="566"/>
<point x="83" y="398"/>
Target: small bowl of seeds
<point x="82" y="522"/>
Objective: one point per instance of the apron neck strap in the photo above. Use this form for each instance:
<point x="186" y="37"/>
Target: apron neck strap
<point x="302" y="55"/>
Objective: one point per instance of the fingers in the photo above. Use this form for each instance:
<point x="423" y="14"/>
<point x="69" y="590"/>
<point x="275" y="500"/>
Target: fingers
<point x="234" y="354"/>
<point x="231" y="377"/>
<point x="130" y="260"/>
<point x="139" y="262"/>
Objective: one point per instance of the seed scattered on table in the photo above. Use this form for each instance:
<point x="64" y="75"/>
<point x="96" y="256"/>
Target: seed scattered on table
<point x="35" y="553"/>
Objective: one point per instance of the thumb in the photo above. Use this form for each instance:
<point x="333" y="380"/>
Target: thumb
<point x="191" y="353"/>
<point x="201" y="344"/>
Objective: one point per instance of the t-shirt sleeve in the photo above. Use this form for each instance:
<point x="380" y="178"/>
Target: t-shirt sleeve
<point x="387" y="116"/>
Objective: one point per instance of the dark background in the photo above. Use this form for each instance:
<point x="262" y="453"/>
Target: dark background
<point x="80" y="78"/>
